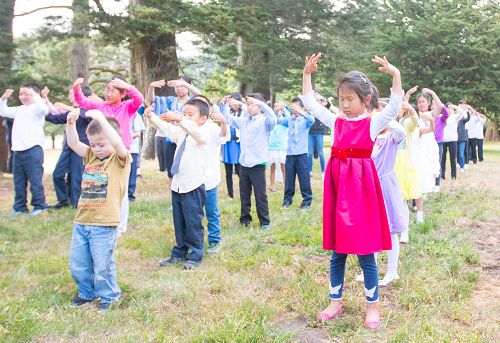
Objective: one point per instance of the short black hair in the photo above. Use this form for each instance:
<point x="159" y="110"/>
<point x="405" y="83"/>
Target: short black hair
<point x="461" y="102"/>
<point x="201" y="104"/>
<point x="257" y="96"/>
<point x="298" y="101"/>
<point x="236" y="96"/>
<point x="32" y="85"/>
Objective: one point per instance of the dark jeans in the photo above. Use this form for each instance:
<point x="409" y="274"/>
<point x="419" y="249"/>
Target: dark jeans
<point x="132" y="180"/>
<point x="452" y="146"/>
<point x="297" y="165"/>
<point x="69" y="164"/>
<point x="472" y="150"/>
<point x="28" y="166"/>
<point x="253" y="177"/>
<point x="188" y="223"/>
<point x="229" y="177"/>
<point x="461" y="153"/>
<point x="370" y="273"/>
<point x="438" y="179"/>
<point x="480" y="149"/>
<point x="316" y="141"/>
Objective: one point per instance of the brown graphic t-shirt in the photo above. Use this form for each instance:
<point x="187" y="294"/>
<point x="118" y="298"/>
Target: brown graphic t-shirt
<point x="103" y="186"/>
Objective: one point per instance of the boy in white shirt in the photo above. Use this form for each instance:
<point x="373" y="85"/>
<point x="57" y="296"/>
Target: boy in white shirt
<point x="188" y="182"/>
<point x="27" y="142"/>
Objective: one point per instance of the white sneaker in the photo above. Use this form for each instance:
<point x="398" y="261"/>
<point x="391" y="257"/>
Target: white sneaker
<point x="404" y="237"/>
<point x="359" y="278"/>
<point x="461" y="170"/>
<point x="388" y="279"/>
<point x="436" y="189"/>
<point x="466" y="166"/>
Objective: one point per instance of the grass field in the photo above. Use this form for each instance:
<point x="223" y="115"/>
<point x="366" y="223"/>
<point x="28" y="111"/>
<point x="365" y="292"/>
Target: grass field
<point x="261" y="287"/>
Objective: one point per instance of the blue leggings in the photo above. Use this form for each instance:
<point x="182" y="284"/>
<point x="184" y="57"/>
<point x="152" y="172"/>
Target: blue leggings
<point x="370" y="273"/>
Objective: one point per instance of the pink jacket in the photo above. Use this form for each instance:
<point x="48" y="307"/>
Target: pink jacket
<point x="124" y="112"/>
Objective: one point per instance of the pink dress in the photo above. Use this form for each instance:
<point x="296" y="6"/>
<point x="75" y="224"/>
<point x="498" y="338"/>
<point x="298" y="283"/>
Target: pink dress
<point x="354" y="215"/>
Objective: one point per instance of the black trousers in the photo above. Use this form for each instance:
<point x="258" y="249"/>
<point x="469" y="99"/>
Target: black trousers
<point x="452" y="146"/>
<point x="480" y="149"/>
<point x="472" y="150"/>
<point x="229" y="177"/>
<point x="255" y="178"/>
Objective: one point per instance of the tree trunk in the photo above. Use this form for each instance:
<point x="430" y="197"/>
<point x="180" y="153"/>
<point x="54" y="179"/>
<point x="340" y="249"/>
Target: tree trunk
<point x="492" y="134"/>
<point x="255" y="66"/>
<point x="6" y="51"/>
<point x="153" y="58"/>
<point x="79" y="53"/>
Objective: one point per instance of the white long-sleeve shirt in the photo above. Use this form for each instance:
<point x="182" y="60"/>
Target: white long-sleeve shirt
<point x="193" y="163"/>
<point x="27" y="130"/>
<point x="475" y="129"/>
<point x="377" y="123"/>
<point x="450" y="133"/>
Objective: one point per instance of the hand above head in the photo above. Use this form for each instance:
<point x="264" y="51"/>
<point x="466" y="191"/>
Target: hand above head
<point x="158" y="84"/>
<point x="148" y="112"/>
<point x="412" y="90"/>
<point x="118" y="83"/>
<point x="45" y="92"/>
<point x="428" y="91"/>
<point x="233" y="102"/>
<point x="95" y="114"/>
<point x="73" y="116"/>
<point x="385" y="66"/>
<point x="176" y="83"/>
<point x="218" y="118"/>
<point x="311" y="63"/>
<point x="171" y="117"/>
<point x="78" y="82"/>
<point x="7" y="94"/>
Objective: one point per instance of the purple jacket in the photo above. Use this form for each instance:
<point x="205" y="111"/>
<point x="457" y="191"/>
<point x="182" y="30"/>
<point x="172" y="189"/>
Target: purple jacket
<point x="440" y="124"/>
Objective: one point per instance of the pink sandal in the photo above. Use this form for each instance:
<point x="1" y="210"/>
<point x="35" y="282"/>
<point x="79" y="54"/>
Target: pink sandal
<point x="372" y="325"/>
<point x="323" y="316"/>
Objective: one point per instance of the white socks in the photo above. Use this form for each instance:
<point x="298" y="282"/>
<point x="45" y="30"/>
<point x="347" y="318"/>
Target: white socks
<point x="420" y="217"/>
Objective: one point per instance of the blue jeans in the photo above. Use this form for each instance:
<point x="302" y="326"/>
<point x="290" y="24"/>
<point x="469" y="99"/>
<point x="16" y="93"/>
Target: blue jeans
<point x="132" y="180"/>
<point x="461" y="153"/>
<point x="213" y="216"/>
<point x="316" y="140"/>
<point x="296" y="165"/>
<point x="370" y="273"/>
<point x="70" y="164"/>
<point x="187" y="209"/>
<point x="28" y="166"/>
<point x="92" y="263"/>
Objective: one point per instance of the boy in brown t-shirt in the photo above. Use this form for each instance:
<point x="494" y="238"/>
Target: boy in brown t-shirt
<point x="105" y="178"/>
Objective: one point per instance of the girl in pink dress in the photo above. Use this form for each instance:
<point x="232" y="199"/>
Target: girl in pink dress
<point x="354" y="215"/>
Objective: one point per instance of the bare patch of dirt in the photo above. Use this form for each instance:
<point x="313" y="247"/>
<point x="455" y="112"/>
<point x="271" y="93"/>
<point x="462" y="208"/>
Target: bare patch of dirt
<point x="302" y="332"/>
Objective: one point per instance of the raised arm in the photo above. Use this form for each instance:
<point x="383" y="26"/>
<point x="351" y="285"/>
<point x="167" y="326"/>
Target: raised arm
<point x="439" y="105"/>
<point x="224" y="129"/>
<point x="167" y="129"/>
<point x="5" y="111"/>
<point x="113" y="136"/>
<point x="430" y="119"/>
<point x="409" y="93"/>
<point x="150" y="95"/>
<point x="230" y="119"/>
<point x="398" y="131"/>
<point x="72" y="138"/>
<point x="137" y="99"/>
<point x="81" y="99"/>
<point x="390" y="111"/>
<point x="309" y="119"/>
<point x="191" y="88"/>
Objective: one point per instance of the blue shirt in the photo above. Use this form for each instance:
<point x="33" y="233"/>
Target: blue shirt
<point x="298" y="130"/>
<point x="254" y="134"/>
<point x="279" y="135"/>
<point x="163" y="104"/>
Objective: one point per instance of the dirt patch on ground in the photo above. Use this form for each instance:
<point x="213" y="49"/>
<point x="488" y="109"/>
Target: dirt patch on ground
<point x="302" y="332"/>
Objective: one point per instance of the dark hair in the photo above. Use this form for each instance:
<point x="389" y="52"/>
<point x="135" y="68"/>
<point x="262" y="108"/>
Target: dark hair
<point x="361" y="85"/>
<point x="32" y="85"/>
<point x="461" y="102"/>
<point x="186" y="78"/>
<point x="449" y="103"/>
<point x="257" y="96"/>
<point x="298" y="101"/>
<point x="202" y="105"/>
<point x="86" y="91"/>
<point x="117" y="77"/>
<point x="427" y="97"/>
<point x="95" y="127"/>
<point x="236" y="96"/>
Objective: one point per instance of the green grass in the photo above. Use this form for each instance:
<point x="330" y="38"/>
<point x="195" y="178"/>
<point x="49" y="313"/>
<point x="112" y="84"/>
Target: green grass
<point x="257" y="281"/>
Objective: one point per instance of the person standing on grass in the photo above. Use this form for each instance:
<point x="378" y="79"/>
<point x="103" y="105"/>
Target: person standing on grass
<point x="462" y="139"/>
<point x="255" y="125"/>
<point x="450" y="138"/>
<point x="189" y="176"/>
<point x="231" y="150"/>
<point x="27" y="142"/>
<point x="354" y="215"/>
<point x="316" y="136"/>
<point x="477" y="132"/>
<point x="137" y="128"/>
<point x="298" y="125"/>
<point x="104" y="186"/>
<point x="278" y="145"/>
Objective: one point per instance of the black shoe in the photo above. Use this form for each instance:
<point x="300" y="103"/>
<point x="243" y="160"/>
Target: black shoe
<point x="59" y="205"/>
<point x="79" y="302"/>
<point x="103" y="307"/>
<point x="245" y="224"/>
<point x="305" y="207"/>
<point x="190" y="264"/>
<point x="131" y="199"/>
<point x="171" y="261"/>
